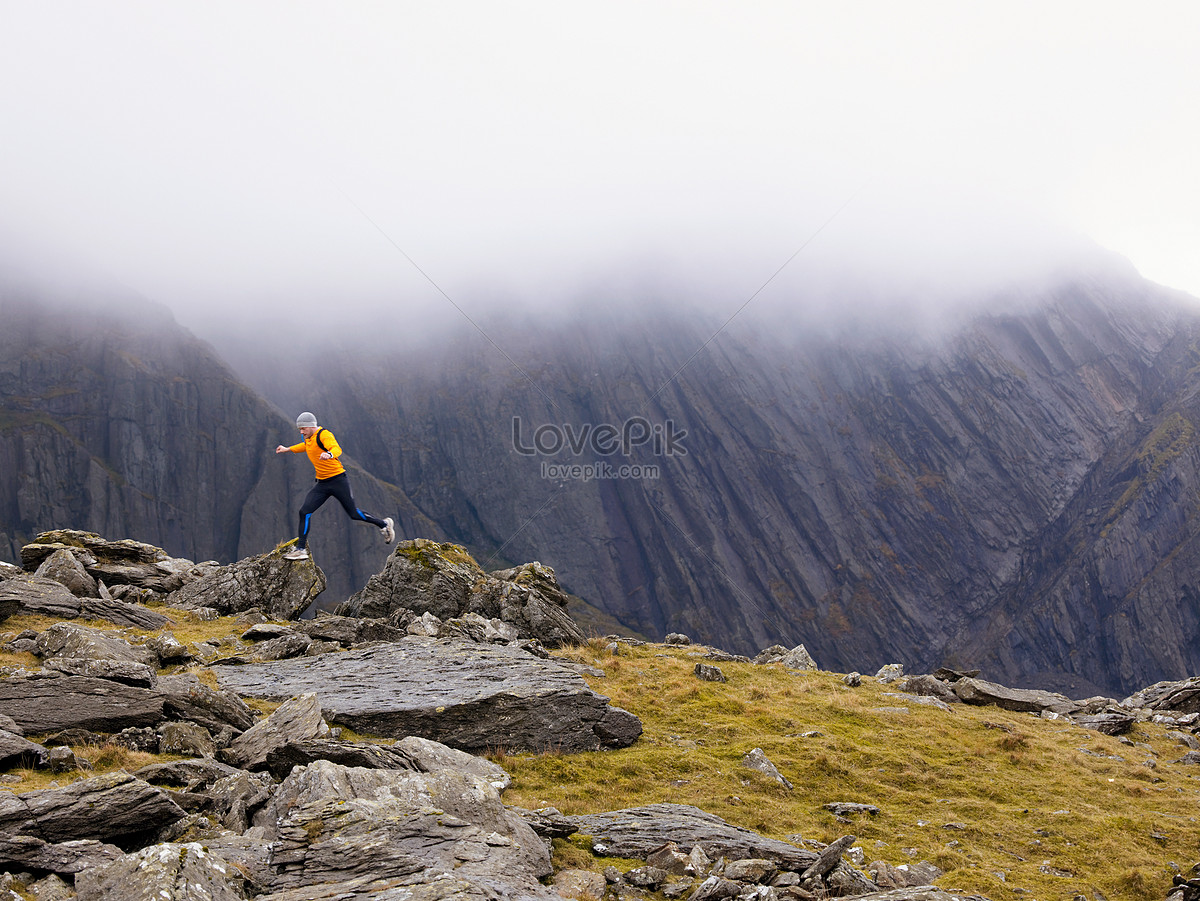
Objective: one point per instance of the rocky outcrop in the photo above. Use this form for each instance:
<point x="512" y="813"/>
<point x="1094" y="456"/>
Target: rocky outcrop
<point x="281" y="589"/>
<point x="424" y="576"/>
<point x="464" y="695"/>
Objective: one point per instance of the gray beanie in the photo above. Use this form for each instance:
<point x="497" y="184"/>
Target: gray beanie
<point x="306" y="421"/>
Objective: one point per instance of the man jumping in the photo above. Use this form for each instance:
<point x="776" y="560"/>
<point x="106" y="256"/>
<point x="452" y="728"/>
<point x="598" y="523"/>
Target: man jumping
<point x="323" y="450"/>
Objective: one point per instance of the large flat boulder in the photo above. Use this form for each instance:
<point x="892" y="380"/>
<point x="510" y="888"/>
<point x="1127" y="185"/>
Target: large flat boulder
<point x="469" y="696"/>
<point x="423" y="576"/>
<point x="282" y="589"/>
<point x="1022" y="700"/>
<point x="49" y="704"/>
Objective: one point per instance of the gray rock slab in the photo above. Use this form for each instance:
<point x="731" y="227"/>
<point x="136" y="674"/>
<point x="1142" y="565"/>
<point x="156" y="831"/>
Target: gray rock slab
<point x="123" y="671"/>
<point x="81" y="642"/>
<point x="187" y="698"/>
<point x="329" y="823"/>
<point x="637" y="831"/>
<point x="18" y="751"/>
<point x="40" y="704"/>
<point x="349" y="630"/>
<point x="166" y="872"/>
<point x="123" y="613"/>
<point x="469" y="696"/>
<point x="34" y="594"/>
<point x="115" y="807"/>
<point x="27" y="852"/>
<point x="64" y="567"/>
<point x="1023" y="700"/>
<point x="297" y="719"/>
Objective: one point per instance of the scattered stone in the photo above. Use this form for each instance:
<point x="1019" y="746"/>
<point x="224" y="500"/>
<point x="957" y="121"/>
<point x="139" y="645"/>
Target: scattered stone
<point x="891" y="672"/>
<point x="677" y="638"/>
<point x="757" y="760"/>
<point x="17" y="751"/>
<point x="424" y="576"/>
<point x="773" y="654"/>
<point x="930" y="686"/>
<point x="61" y="759"/>
<point x="169" y="650"/>
<point x="799" y="658"/>
<point x="854" y="680"/>
<point x="188" y="739"/>
<point x="583" y="885"/>
<point x="1108" y="723"/>
<point x="850" y="808"/>
<point x="64" y="567"/>
<point x="751" y="870"/>
<point x="828" y="858"/>
<point x="265" y="631"/>
<point x="64" y="858"/>
<point x="708" y="673"/>
<point x="647" y="877"/>
<point x="187" y="698"/>
<point x="671" y="859"/>
<point x="138" y="739"/>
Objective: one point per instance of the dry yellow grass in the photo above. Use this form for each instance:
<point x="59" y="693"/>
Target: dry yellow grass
<point x="1001" y="801"/>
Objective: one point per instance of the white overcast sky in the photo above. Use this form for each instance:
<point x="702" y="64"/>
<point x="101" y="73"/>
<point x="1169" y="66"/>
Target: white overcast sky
<point x="231" y="156"/>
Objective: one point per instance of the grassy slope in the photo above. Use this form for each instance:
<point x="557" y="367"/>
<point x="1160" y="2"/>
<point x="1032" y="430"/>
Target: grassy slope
<point x="978" y="791"/>
<point x="1019" y="790"/>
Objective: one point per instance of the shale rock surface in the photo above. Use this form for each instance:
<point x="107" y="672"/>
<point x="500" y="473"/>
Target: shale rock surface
<point x="468" y="696"/>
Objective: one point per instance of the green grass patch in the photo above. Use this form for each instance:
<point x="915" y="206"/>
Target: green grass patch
<point x="977" y="791"/>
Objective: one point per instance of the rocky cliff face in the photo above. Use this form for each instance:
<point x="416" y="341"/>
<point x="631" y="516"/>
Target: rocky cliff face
<point x="115" y="419"/>
<point x="1014" y="493"/>
<point x="1017" y="493"/>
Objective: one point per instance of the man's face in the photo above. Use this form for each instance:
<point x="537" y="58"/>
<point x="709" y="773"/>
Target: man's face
<point x="308" y="431"/>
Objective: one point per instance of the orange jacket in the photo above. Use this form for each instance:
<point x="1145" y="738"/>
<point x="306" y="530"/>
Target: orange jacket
<point x="326" y="469"/>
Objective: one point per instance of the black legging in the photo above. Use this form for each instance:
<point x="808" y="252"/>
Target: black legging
<point x="323" y="490"/>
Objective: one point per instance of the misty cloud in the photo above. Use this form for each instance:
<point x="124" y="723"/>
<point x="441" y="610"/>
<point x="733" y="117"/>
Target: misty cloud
<point x="263" y="159"/>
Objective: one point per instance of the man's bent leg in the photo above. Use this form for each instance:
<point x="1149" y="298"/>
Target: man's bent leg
<point x="340" y="488"/>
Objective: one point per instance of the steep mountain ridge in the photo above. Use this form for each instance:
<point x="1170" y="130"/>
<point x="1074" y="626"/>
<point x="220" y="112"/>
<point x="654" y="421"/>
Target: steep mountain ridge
<point x="877" y="495"/>
<point x="1017" y="492"/>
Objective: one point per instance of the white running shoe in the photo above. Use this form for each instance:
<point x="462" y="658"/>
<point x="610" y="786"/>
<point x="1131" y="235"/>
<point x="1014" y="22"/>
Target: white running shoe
<point x="297" y="553"/>
<point x="389" y="531"/>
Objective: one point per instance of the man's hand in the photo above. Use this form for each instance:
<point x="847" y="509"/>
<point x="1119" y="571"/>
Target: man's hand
<point x="281" y="449"/>
<point x="327" y="456"/>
